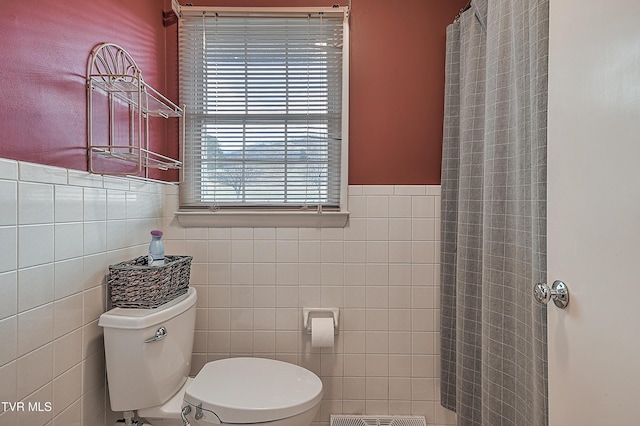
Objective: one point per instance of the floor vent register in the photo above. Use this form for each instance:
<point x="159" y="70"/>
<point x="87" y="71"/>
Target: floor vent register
<point x="377" y="421"/>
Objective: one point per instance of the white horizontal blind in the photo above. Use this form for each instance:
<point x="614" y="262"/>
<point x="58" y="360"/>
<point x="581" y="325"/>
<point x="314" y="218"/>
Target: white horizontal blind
<point x="263" y="96"/>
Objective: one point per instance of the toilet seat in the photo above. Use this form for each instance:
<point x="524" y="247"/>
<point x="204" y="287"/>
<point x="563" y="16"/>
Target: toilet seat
<point x="253" y="390"/>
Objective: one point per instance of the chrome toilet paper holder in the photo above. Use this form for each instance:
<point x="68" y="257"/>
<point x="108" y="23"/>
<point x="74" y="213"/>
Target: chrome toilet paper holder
<point x="320" y="313"/>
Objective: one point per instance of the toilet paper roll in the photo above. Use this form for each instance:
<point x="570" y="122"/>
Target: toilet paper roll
<point x="321" y="332"/>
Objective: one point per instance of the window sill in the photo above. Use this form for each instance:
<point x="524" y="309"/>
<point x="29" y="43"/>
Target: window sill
<point x="261" y="219"/>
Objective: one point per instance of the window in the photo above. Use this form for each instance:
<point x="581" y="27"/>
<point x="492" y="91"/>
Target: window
<point x="264" y="110"/>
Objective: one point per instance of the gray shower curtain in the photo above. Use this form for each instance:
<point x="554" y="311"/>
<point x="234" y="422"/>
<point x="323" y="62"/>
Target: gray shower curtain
<point x="493" y="336"/>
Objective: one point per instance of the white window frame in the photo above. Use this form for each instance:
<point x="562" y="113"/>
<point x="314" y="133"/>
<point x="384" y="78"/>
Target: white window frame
<point x="248" y="217"/>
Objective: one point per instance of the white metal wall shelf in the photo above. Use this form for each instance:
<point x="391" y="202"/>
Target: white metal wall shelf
<point x="126" y="103"/>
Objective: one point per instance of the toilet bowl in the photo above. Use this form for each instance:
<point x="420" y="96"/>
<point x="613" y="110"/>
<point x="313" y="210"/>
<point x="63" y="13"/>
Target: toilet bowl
<point x="148" y="355"/>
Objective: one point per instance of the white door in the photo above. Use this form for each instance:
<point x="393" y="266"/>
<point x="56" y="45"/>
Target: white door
<point x="594" y="211"/>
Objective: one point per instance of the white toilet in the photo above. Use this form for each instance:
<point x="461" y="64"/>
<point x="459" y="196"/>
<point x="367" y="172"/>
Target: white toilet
<point x="148" y="354"/>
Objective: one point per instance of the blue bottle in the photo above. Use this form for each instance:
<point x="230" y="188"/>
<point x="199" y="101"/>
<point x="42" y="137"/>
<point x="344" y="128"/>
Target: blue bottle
<point x="156" y="249"/>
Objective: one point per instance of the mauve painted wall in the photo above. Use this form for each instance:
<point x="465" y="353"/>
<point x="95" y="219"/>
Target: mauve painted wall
<point x="397" y="79"/>
<point x="45" y="47"/>
<point x="397" y="90"/>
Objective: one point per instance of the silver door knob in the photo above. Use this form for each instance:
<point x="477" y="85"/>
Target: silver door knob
<point x="559" y="293"/>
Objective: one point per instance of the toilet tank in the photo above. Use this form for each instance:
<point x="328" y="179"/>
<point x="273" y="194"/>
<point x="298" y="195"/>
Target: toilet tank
<point x="142" y="375"/>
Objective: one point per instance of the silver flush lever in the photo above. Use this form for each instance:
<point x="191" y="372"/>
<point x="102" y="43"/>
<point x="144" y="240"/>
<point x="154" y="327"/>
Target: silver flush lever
<point x="160" y="334"/>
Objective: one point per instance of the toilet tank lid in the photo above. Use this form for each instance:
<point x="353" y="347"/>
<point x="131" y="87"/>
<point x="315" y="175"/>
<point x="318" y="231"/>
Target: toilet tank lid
<point x="138" y="318"/>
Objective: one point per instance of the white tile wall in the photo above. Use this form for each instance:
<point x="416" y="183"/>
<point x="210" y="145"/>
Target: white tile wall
<point x="381" y="271"/>
<point x="60" y="229"/>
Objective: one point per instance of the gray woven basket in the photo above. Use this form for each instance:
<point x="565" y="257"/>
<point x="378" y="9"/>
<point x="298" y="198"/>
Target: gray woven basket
<point x="134" y="284"/>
